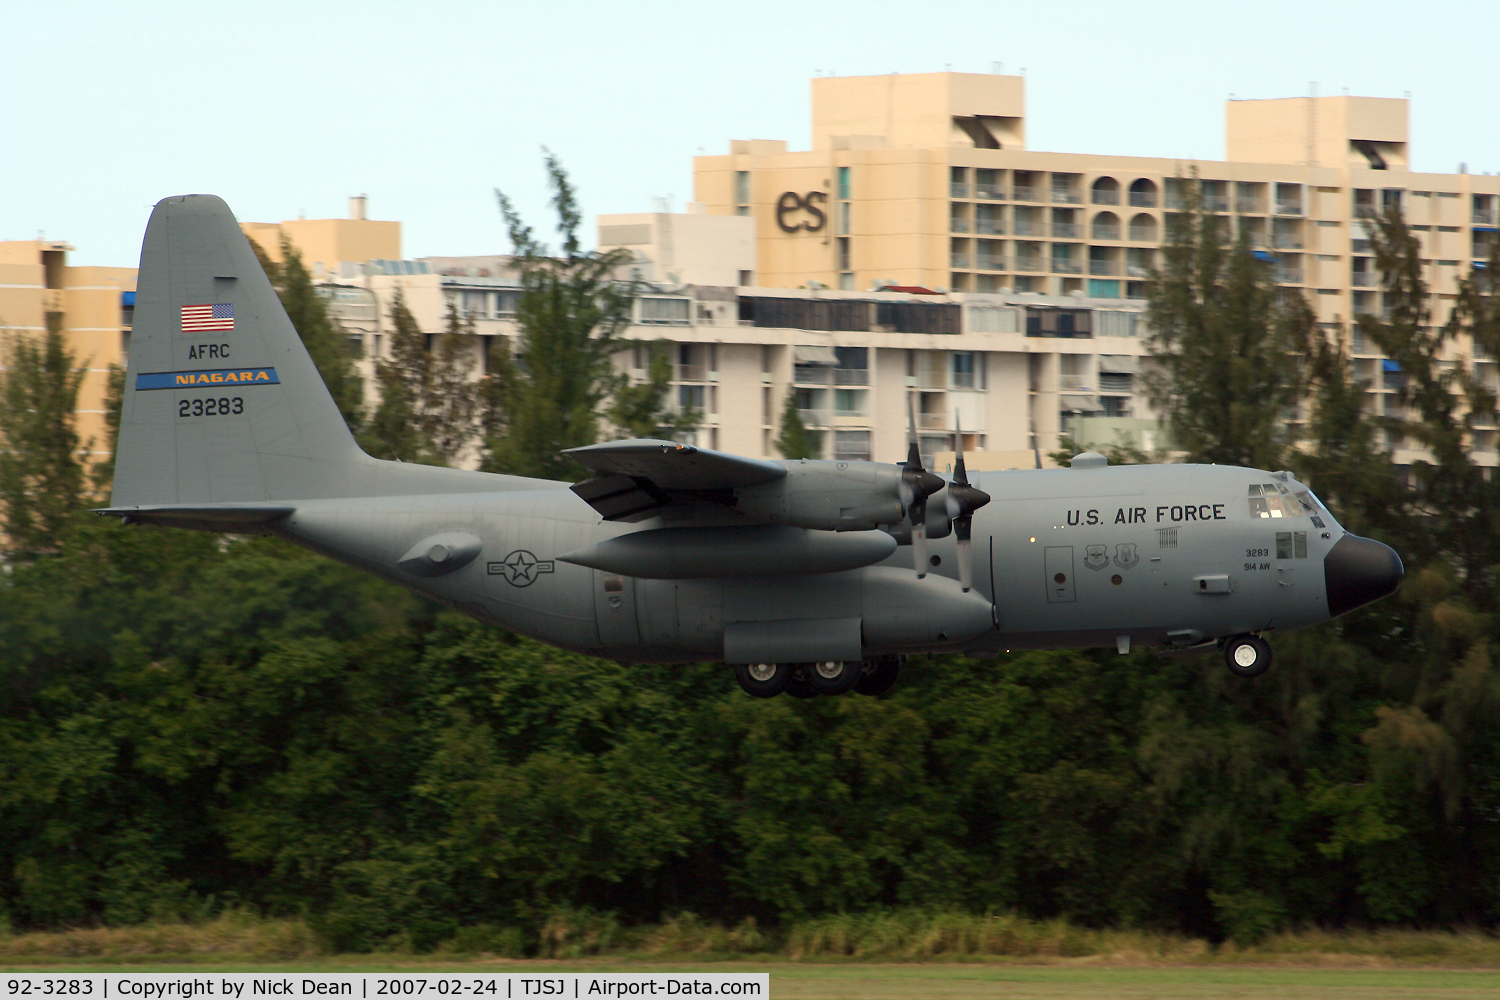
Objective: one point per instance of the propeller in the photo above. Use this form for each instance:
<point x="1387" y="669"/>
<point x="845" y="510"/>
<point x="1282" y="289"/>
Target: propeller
<point x="917" y="484"/>
<point x="963" y="500"/>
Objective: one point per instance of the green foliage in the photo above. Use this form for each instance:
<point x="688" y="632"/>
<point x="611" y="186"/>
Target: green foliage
<point x="429" y="406"/>
<point x="1227" y="343"/>
<point x="41" y="457"/>
<point x="641" y="411"/>
<point x="794" y="440"/>
<point x="320" y="332"/>
<point x="570" y="314"/>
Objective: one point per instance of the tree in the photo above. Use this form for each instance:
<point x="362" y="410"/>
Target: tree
<point x="321" y="335"/>
<point x="570" y="314"/>
<point x="1227" y="342"/>
<point x="428" y="402"/>
<point x="641" y="411"/>
<point x="41" y="467"/>
<point x="795" y="440"/>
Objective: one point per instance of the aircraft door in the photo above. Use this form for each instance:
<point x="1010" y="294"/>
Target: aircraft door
<point x="614" y="609"/>
<point x="1059" y="564"/>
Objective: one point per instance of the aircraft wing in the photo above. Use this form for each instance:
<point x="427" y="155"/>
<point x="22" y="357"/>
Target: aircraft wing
<point x="633" y="480"/>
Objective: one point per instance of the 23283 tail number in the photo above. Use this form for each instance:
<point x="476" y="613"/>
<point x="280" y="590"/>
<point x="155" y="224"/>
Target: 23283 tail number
<point x="210" y="406"/>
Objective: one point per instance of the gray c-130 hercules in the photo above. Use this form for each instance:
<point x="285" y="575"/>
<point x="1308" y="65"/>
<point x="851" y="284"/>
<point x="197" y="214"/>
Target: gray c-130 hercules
<point x="818" y="576"/>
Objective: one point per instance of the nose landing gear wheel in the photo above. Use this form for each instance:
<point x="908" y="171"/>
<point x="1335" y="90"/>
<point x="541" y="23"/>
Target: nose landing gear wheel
<point x="800" y="686"/>
<point x="1247" y="655"/>
<point x="834" y="676"/>
<point x="763" y="680"/>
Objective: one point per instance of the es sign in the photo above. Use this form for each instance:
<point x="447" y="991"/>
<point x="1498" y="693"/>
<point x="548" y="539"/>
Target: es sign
<point x="791" y="202"/>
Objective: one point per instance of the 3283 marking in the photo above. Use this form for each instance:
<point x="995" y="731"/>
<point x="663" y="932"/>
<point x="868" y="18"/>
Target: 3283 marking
<point x="210" y="406"/>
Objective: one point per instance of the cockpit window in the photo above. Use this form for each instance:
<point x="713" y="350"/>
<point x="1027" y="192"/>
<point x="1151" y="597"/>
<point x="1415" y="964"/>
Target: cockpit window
<point x="1275" y="500"/>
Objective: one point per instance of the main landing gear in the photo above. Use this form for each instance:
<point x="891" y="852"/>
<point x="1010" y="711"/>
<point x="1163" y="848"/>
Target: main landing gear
<point x="808" y="680"/>
<point x="1247" y="655"/>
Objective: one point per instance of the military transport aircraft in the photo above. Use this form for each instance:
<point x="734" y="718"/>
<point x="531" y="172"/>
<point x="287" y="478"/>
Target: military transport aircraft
<point x="814" y="577"/>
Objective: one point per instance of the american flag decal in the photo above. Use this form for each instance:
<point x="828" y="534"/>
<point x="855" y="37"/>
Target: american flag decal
<point x="216" y="316"/>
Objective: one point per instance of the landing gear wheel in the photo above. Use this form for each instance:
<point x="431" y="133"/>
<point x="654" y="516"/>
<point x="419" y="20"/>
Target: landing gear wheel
<point x="799" y="685"/>
<point x="1247" y="655"/>
<point x="834" y="676"/>
<point x="879" y="676"/>
<point x="763" y="680"/>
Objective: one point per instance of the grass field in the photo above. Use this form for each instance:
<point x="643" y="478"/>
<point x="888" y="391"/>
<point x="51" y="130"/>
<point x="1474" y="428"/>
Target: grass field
<point x="891" y="956"/>
<point x="824" y="980"/>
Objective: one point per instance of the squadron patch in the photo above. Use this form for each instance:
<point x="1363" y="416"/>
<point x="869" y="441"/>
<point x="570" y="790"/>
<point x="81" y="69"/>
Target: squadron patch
<point x="1096" y="556"/>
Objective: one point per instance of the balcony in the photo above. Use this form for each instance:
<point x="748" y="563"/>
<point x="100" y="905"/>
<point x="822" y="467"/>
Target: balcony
<point x="1025" y="192"/>
<point x="1289" y="208"/>
<point x="990" y="262"/>
<point x="1359" y="246"/>
<point x="989" y="193"/>
<point x="1484" y="218"/>
<point x="1143" y="234"/>
<point x="989" y="227"/>
<point x="1025" y="228"/>
<point x="1106" y="197"/>
<point x="1137" y="271"/>
<point x="958" y="224"/>
<point x="1062" y="265"/>
<point x="1143" y="199"/>
<point x="1288" y="275"/>
<point x="1072" y="383"/>
<point x="1114" y="382"/>
<point x="958" y="260"/>
<point x="1249" y="206"/>
<point x="1215" y="203"/>
<point x="1024" y="263"/>
<point x="692" y="373"/>
<point x="1104" y="267"/>
<point x="932" y="421"/>
<point x="1286" y="241"/>
<point x="958" y="189"/>
<point x="812" y="374"/>
<point x="813" y="418"/>
<point x="851" y="376"/>
<point x="1106" y="231"/>
<point x="1067" y="196"/>
<point x="1067" y="231"/>
<point x="1362" y="279"/>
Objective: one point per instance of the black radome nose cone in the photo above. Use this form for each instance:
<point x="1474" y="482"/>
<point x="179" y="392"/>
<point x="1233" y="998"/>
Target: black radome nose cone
<point x="1359" y="570"/>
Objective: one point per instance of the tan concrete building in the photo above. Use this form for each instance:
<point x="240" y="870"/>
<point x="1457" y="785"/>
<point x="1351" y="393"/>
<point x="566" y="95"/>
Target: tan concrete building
<point x="92" y="306"/>
<point x="323" y="243"/>
<point x="926" y="180"/>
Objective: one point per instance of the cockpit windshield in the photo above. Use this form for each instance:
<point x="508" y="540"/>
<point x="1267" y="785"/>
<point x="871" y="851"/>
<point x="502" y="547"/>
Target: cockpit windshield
<point x="1276" y="500"/>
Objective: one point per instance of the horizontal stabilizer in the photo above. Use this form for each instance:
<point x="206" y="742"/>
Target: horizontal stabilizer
<point x="174" y="515"/>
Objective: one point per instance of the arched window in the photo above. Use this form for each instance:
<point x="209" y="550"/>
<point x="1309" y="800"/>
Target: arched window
<point x="1106" y="191"/>
<point x="1143" y="194"/>
<point x="1106" y="226"/>
<point x="1143" y="228"/>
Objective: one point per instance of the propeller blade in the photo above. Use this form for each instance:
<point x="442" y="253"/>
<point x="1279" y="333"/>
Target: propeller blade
<point x="919" y="484"/>
<point x="963" y="500"/>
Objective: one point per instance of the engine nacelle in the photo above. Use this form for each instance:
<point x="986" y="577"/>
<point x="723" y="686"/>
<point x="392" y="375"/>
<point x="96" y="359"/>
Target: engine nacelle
<point x="831" y="496"/>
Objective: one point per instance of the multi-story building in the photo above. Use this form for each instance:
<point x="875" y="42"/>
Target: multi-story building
<point x="926" y="180"/>
<point x="91" y="306"/>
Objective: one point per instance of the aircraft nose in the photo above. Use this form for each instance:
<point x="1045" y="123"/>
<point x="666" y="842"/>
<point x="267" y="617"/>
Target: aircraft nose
<point x="1359" y="570"/>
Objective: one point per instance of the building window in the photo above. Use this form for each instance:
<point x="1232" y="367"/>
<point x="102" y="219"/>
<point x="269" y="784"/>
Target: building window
<point x="843" y="251"/>
<point x="843" y="182"/>
<point x="841" y="218"/>
<point x="664" y="312"/>
<point x="851" y="446"/>
<point x="742" y="187"/>
<point x="850" y="402"/>
<point x="747" y="278"/>
<point x="846" y="281"/>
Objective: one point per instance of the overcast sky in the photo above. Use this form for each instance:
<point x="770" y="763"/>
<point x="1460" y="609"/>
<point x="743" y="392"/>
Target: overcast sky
<point x="288" y="108"/>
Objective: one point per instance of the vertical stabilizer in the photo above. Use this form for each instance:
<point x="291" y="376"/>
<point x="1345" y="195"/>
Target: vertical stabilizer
<point x="222" y="402"/>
